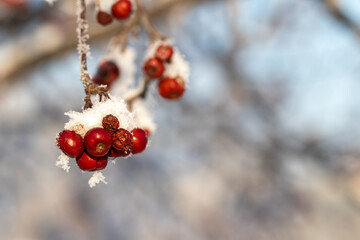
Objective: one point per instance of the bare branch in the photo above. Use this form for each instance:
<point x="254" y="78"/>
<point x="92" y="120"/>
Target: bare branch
<point x="335" y="10"/>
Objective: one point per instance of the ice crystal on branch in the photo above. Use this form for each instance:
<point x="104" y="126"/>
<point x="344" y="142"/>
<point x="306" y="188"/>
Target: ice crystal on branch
<point x="83" y="36"/>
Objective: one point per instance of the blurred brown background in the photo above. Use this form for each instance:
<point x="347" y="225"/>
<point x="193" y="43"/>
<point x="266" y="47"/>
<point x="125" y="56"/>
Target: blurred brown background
<point x="264" y="145"/>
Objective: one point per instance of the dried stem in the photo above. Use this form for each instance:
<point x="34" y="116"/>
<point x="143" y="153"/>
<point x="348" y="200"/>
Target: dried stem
<point x="144" y="85"/>
<point x="146" y="23"/>
<point x="90" y="88"/>
<point x="121" y="39"/>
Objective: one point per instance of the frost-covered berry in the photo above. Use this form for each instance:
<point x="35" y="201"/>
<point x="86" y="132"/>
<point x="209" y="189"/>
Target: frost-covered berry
<point x="164" y="52"/>
<point x="107" y="73"/>
<point x="110" y="123"/>
<point x="97" y="142"/>
<point x="140" y="140"/>
<point x="154" y="67"/>
<point x="121" y="9"/>
<point x="70" y="143"/>
<point x="171" y="88"/>
<point x="119" y="153"/>
<point x="89" y="163"/>
<point x="104" y="18"/>
<point x="122" y="140"/>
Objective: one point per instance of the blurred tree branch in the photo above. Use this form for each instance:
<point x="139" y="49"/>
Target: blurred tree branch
<point x="335" y="10"/>
<point x="27" y="50"/>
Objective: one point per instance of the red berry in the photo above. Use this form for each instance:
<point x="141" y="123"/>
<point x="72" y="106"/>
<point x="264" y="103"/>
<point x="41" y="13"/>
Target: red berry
<point x="140" y="140"/>
<point x="164" y="52"/>
<point x="121" y="9"/>
<point x="70" y="143"/>
<point x="15" y="4"/>
<point x="104" y="18"/>
<point x="107" y="73"/>
<point x="171" y="88"/>
<point x="110" y="123"/>
<point x="122" y="140"/>
<point x="87" y="162"/>
<point x="154" y="67"/>
<point x="119" y="153"/>
<point x="101" y="163"/>
<point x="97" y="142"/>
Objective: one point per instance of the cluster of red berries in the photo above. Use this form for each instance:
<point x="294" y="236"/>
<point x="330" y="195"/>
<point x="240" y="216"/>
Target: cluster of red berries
<point x="99" y="144"/>
<point x="120" y="10"/>
<point x="107" y="73"/>
<point x="168" y="87"/>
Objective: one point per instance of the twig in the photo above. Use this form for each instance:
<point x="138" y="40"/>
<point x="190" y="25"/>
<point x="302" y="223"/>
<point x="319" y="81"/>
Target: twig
<point x="144" y="85"/>
<point x="90" y="88"/>
<point x="148" y="26"/>
<point x="339" y="15"/>
<point x="121" y="39"/>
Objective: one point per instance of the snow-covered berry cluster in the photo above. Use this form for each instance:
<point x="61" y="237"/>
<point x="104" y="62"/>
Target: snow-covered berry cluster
<point x="105" y="131"/>
<point x="116" y="120"/>
<point x="163" y="62"/>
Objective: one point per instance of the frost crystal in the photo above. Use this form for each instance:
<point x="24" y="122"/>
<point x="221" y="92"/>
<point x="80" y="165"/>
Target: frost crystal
<point x="63" y="162"/>
<point x="96" y="178"/>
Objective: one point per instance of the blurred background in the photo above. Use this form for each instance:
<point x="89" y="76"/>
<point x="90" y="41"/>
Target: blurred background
<point x="263" y="146"/>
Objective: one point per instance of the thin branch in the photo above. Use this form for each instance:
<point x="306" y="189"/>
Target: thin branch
<point x="19" y="62"/>
<point x="83" y="48"/>
<point x="146" y="23"/>
<point x="121" y="39"/>
<point x="141" y="93"/>
<point x="340" y="16"/>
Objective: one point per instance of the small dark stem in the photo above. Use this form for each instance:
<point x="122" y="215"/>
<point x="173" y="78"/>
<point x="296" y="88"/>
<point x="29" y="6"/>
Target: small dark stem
<point x="140" y="94"/>
<point x="146" y="23"/>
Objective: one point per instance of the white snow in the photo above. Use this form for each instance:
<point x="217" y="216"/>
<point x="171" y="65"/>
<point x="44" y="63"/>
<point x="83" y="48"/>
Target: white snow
<point x="81" y="122"/>
<point x="63" y="162"/>
<point x="96" y="178"/>
<point x="126" y="63"/>
<point x="105" y="5"/>
<point x="51" y="2"/>
<point x="143" y="115"/>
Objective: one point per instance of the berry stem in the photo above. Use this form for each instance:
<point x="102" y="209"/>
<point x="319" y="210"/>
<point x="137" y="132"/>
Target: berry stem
<point x="146" y="23"/>
<point x="121" y="39"/>
<point x="141" y="93"/>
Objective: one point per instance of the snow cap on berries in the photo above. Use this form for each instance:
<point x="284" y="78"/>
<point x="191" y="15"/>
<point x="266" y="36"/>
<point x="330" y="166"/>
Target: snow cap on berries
<point x="81" y="122"/>
<point x="125" y="60"/>
<point x="142" y="115"/>
<point x="178" y="67"/>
